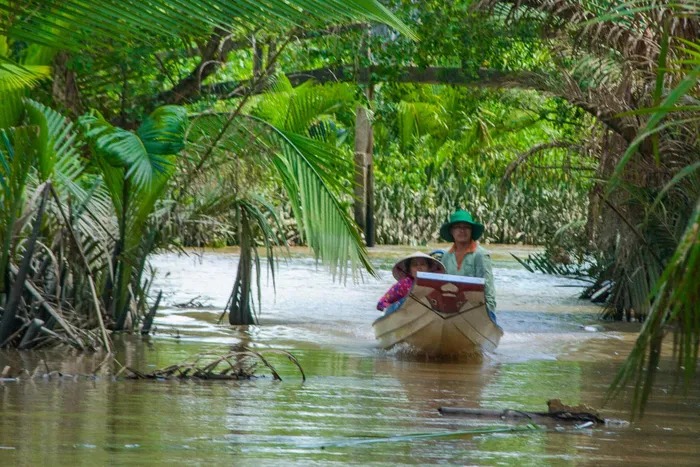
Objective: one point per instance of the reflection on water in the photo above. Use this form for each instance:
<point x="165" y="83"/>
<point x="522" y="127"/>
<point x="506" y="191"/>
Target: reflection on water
<point x="354" y="391"/>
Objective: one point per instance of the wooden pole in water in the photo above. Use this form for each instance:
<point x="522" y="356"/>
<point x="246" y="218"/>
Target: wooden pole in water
<point x="364" y="177"/>
<point x="360" y="186"/>
<point x="369" y="207"/>
<point x="364" y="149"/>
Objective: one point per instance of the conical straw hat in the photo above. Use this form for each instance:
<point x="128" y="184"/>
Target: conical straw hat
<point x="403" y="266"/>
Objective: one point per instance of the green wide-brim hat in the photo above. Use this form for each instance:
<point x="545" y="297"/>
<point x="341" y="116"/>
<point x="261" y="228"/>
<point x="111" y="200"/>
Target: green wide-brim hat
<point x="459" y="217"/>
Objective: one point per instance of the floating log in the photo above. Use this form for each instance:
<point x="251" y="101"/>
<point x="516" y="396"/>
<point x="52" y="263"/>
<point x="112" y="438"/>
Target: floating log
<point x="511" y="414"/>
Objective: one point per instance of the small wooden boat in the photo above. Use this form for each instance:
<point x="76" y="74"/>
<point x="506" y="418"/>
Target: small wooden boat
<point x="444" y="315"/>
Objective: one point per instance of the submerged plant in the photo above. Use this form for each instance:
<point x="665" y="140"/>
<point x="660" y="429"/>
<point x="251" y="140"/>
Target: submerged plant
<point x="235" y="365"/>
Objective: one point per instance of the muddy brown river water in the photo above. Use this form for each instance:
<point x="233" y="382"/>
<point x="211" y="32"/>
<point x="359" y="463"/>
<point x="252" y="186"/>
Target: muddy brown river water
<point x="360" y="405"/>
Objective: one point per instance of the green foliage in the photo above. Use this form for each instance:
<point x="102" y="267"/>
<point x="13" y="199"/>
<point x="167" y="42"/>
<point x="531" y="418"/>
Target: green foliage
<point x="307" y="108"/>
<point x="634" y="66"/>
<point x="453" y="33"/>
<point x="529" y="212"/>
<point x="461" y="163"/>
<point x="40" y="160"/>
<point x="137" y="53"/>
<point x="15" y="77"/>
<point x="22" y="67"/>
<point x="145" y="153"/>
<point x="110" y="23"/>
<point x="17" y="154"/>
<point x="135" y="168"/>
<point x="291" y="135"/>
<point x="523" y="164"/>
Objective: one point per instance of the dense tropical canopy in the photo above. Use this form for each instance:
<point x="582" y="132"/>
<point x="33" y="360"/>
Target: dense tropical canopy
<point x="128" y="127"/>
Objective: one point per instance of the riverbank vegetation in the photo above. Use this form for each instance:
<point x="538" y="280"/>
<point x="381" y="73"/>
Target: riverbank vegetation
<point x="558" y="123"/>
<point x="92" y="173"/>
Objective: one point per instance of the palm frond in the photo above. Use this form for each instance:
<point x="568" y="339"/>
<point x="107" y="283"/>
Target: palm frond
<point x="309" y="171"/>
<point x="419" y="118"/>
<point x="313" y="103"/>
<point x="325" y="223"/>
<point x="253" y="213"/>
<point x="16" y="77"/>
<point x="58" y="142"/>
<point x="296" y="109"/>
<point x="18" y="149"/>
<point x="60" y="161"/>
<point x="145" y="155"/>
<point x="651" y="127"/>
<point x="11" y="109"/>
<point x="70" y="23"/>
<point x="163" y="131"/>
<point x="594" y="71"/>
<point x="675" y="304"/>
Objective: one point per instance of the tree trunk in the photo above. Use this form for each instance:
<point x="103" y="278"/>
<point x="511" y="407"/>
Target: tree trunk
<point x="257" y="57"/>
<point x="240" y="306"/>
<point x="369" y="207"/>
<point x="65" y="88"/>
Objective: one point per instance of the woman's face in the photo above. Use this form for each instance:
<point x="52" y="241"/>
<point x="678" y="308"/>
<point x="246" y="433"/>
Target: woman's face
<point x="419" y="264"/>
<point x="461" y="232"/>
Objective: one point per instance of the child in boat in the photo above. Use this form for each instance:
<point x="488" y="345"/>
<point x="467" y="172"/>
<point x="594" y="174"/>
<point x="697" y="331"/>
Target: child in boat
<point x="404" y="272"/>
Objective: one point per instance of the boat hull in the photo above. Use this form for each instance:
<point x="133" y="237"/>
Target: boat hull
<point x="444" y="315"/>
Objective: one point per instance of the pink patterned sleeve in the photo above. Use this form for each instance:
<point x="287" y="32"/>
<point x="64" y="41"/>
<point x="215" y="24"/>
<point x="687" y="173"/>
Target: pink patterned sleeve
<point x="395" y="293"/>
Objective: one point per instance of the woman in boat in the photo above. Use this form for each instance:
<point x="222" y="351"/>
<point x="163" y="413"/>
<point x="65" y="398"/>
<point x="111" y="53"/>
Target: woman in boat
<point x="404" y="272"/>
<point x="466" y="257"/>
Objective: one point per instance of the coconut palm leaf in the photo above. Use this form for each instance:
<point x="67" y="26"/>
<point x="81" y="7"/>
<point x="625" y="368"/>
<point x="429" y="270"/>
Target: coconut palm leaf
<point x="685" y="173"/>
<point x="326" y="224"/>
<point x="309" y="172"/>
<point x="419" y="118"/>
<point x="69" y="24"/>
<point x="303" y="109"/>
<point x="666" y="107"/>
<point x="11" y="108"/>
<point x="19" y="72"/>
<point x="16" y="77"/>
<point x="597" y="70"/>
<point x="297" y="109"/>
<point x="59" y="160"/>
<point x="162" y="132"/>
